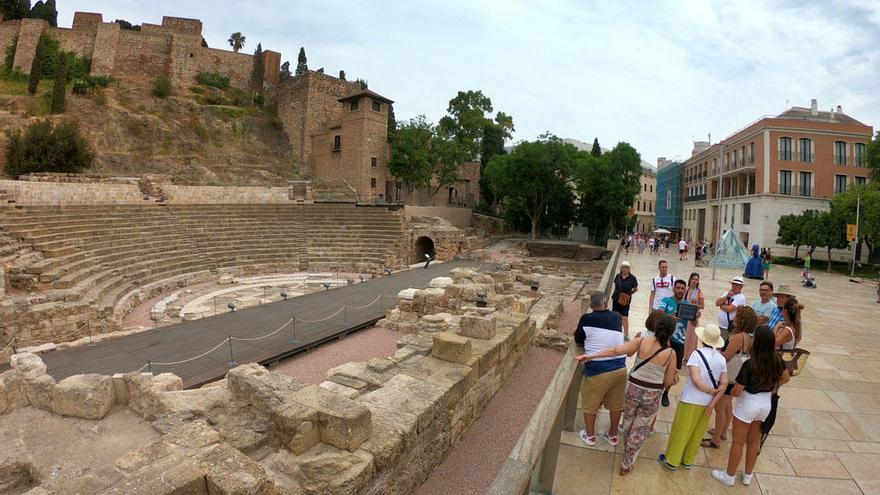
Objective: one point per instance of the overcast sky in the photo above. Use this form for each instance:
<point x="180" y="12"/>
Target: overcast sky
<point x="655" y="74"/>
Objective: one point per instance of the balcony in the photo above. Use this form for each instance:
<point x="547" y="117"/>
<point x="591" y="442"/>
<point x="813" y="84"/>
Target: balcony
<point x="849" y="161"/>
<point x="697" y="197"/>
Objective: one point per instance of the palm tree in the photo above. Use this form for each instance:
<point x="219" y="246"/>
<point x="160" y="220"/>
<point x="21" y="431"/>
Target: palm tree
<point x="236" y="41"/>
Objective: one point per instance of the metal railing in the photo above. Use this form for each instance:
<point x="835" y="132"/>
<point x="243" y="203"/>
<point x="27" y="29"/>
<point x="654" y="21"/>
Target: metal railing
<point x="531" y="465"/>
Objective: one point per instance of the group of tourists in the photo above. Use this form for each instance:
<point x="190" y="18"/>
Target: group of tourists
<point x="732" y="368"/>
<point x="642" y="242"/>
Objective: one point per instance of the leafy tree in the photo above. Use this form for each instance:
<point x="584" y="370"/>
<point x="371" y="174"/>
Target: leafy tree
<point x="872" y="157"/>
<point x="413" y="160"/>
<point x="533" y="179"/>
<point x="302" y="65"/>
<point x="45" y="11"/>
<point x="392" y="122"/>
<point x="60" y="89"/>
<point x="844" y="206"/>
<point x="15" y="9"/>
<point x="285" y="70"/>
<point x="43" y="147"/>
<point x="492" y="144"/>
<point x="790" y="232"/>
<point x="123" y="24"/>
<point x="831" y="229"/>
<point x="258" y="72"/>
<point x="607" y="185"/>
<point x="37" y="67"/>
<point x="342" y="75"/>
<point x="236" y="41"/>
<point x="466" y="116"/>
<point x="597" y="150"/>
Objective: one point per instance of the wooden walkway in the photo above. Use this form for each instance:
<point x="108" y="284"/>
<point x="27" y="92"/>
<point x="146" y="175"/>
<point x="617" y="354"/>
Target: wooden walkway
<point x="260" y="334"/>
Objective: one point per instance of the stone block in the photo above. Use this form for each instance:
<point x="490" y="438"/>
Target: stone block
<point x="386" y="443"/>
<point x="140" y="458"/>
<point x="228" y="471"/>
<point x="339" y="389"/>
<point x="324" y="470"/>
<point x="459" y="274"/>
<point x="192" y="434"/>
<point x="255" y="385"/>
<point x="454" y="379"/>
<point x="342" y="422"/>
<point x="84" y="396"/>
<point x="440" y="282"/>
<point x="422" y="342"/>
<point x="380" y="364"/>
<point x="120" y="389"/>
<point x="41" y="391"/>
<point x="295" y="426"/>
<point x="349" y="382"/>
<point x="477" y="327"/>
<point x="145" y="391"/>
<point x="466" y="292"/>
<point x="451" y="347"/>
<point x="407" y="294"/>
<point x="29" y="365"/>
<point x="14" y="391"/>
<point x="421" y="399"/>
<point x="360" y="371"/>
<point x="170" y="476"/>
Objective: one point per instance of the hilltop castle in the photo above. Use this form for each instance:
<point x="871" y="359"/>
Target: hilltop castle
<point x="337" y="129"/>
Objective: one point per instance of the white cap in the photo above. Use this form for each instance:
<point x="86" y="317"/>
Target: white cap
<point x="624" y="264"/>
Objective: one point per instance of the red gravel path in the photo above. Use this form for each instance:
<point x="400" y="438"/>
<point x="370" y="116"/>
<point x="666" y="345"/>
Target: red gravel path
<point x="311" y="367"/>
<point x="473" y="463"/>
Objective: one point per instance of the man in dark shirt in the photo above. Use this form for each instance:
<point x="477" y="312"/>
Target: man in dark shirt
<point x="604" y="378"/>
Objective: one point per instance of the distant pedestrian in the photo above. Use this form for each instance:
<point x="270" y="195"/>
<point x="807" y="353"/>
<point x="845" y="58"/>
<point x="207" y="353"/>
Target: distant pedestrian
<point x="641" y="245"/>
<point x="651" y="245"/>
<point x="625" y="285"/>
<point x="661" y="285"/>
<point x="728" y="302"/>
<point x="808" y="260"/>
<point x="706" y="382"/>
<point x="682" y="250"/>
<point x="604" y="380"/>
<point x="652" y="371"/>
<point x="756" y="381"/>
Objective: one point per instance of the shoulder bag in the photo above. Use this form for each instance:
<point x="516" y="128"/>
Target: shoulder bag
<point x="709" y="369"/>
<point x="623" y="297"/>
<point x="794" y="359"/>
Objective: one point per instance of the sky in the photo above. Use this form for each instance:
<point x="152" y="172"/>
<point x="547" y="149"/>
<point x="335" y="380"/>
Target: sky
<point x="656" y="74"/>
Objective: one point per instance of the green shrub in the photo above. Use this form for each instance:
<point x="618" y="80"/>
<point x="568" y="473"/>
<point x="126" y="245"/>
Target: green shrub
<point x="10" y="56"/>
<point x="100" y="81"/>
<point x="239" y="97"/>
<point x="59" y="92"/>
<point x="197" y="90"/>
<point x="200" y="130"/>
<point x="81" y="87"/>
<point x="100" y="98"/>
<point x="43" y="147"/>
<point x="213" y="80"/>
<point x="39" y="105"/>
<point x="162" y="87"/>
<point x="214" y="100"/>
<point x="231" y="113"/>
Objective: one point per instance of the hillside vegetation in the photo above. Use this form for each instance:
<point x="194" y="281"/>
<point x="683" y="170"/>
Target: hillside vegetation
<point x="197" y="135"/>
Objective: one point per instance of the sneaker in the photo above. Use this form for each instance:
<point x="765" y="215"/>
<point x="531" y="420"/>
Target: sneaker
<point x="722" y="476"/>
<point x="686" y="466"/>
<point x="591" y="441"/>
<point x="664" y="401"/>
<point x="611" y="439"/>
<point x="662" y="460"/>
<point x="747" y="479"/>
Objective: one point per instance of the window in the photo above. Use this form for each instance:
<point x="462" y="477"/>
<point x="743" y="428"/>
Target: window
<point x="752" y="152"/>
<point x="860" y="154"/>
<point x="651" y="188"/>
<point x="668" y="200"/>
<point x="373" y="162"/>
<point x="735" y="154"/>
<point x="644" y="188"/>
<point x="839" y="153"/>
<point x="732" y="214"/>
<point x="805" y="188"/>
<point x="785" y="182"/>
<point x="742" y="155"/>
<point x="839" y="183"/>
<point x="747" y="213"/>
<point x="377" y="107"/>
<point x="725" y="214"/>
<point x="861" y="181"/>
<point x="337" y="142"/>
<point x="373" y="183"/>
<point x="650" y="207"/>
<point x="354" y="105"/>
<point x="805" y="149"/>
<point x="785" y="148"/>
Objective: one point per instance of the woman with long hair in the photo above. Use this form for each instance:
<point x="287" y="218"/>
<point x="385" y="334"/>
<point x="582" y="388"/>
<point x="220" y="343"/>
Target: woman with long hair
<point x="788" y="331"/>
<point x="654" y="369"/>
<point x="763" y="373"/>
<point x="736" y="353"/>
<point x="693" y="295"/>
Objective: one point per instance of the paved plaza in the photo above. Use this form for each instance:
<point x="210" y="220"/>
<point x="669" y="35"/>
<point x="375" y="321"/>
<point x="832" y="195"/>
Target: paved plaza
<point x="827" y="435"/>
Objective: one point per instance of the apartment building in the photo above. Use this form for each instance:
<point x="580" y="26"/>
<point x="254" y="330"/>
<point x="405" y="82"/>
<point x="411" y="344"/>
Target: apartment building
<point x="644" y="208"/>
<point x="775" y="166"/>
<point x="669" y="196"/>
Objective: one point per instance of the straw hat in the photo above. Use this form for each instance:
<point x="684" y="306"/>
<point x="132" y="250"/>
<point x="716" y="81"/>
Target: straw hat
<point x="737" y="280"/>
<point x="783" y="290"/>
<point x="710" y="335"/>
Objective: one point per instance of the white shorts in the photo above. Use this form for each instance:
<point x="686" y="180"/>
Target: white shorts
<point x="752" y="407"/>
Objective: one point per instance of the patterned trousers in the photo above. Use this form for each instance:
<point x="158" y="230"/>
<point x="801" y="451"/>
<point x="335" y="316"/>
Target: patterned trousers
<point x="639" y="412"/>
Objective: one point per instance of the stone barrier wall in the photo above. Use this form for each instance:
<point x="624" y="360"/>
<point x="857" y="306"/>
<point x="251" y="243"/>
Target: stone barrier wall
<point x="458" y="217"/>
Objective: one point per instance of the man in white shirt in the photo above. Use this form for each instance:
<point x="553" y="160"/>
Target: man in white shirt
<point x="728" y="302"/>
<point x="661" y="285"/>
<point x="682" y="250"/>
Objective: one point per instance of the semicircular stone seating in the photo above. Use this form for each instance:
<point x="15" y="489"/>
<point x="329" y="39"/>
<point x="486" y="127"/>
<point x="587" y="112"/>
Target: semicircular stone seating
<point x="99" y="261"/>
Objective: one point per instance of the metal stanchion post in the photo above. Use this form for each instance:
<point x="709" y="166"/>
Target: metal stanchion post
<point x="344" y="315"/>
<point x="150" y="367"/>
<point x="89" y="330"/>
<point x="293" y="337"/>
<point x="231" y="363"/>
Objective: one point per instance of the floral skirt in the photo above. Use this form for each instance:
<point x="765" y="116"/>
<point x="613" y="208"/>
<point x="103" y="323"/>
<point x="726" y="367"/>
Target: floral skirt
<point x="639" y="413"/>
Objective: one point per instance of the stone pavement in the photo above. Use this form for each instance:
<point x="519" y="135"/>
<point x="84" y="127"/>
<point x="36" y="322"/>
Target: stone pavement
<point x="827" y="435"/>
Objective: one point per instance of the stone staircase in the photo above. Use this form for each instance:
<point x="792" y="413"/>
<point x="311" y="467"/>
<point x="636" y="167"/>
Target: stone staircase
<point x="99" y="261"/>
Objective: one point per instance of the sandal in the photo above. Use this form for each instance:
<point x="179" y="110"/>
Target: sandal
<point x="624" y="471"/>
<point x="709" y="443"/>
<point x="712" y="432"/>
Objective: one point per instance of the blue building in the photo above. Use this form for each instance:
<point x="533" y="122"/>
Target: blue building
<point x="669" y="196"/>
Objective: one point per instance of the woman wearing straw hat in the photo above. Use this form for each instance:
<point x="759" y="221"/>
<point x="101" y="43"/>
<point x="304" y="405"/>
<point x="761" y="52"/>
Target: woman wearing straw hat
<point x="625" y="285"/>
<point x="706" y="382"/>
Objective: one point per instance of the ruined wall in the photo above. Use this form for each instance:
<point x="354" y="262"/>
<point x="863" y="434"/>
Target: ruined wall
<point x="8" y="33"/>
<point x="141" y="54"/>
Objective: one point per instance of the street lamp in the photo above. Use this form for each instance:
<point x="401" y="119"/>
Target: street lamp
<point x="284" y="295"/>
<point x="326" y="285"/>
<point x="231" y="307"/>
<point x="481" y="299"/>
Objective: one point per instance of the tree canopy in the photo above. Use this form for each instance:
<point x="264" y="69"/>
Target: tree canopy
<point x="844" y="206"/>
<point x="21" y="9"/>
<point x="467" y="115"/>
<point x="872" y="157"/>
<point x="597" y="150"/>
<point x="302" y="65"/>
<point x="237" y="41"/>
<point x="258" y="72"/>
<point x="606" y="187"/>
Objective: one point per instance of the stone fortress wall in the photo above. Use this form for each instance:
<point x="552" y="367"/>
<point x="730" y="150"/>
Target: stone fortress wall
<point x="376" y="427"/>
<point x="173" y="49"/>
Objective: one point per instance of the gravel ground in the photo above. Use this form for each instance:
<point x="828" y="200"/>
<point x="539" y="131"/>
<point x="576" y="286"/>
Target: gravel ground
<point x="311" y="367"/>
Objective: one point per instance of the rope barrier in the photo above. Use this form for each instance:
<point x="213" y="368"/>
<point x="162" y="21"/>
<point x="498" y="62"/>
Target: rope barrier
<point x="367" y="305"/>
<point x="340" y="310"/>
<point x="282" y="327"/>
<point x="143" y="368"/>
<point x="11" y="342"/>
<point x="193" y="358"/>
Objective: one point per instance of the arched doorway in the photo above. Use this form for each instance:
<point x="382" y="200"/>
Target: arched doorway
<point x="424" y="245"/>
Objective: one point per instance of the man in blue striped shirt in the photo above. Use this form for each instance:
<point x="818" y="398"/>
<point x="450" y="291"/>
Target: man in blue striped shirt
<point x="604" y="378"/>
